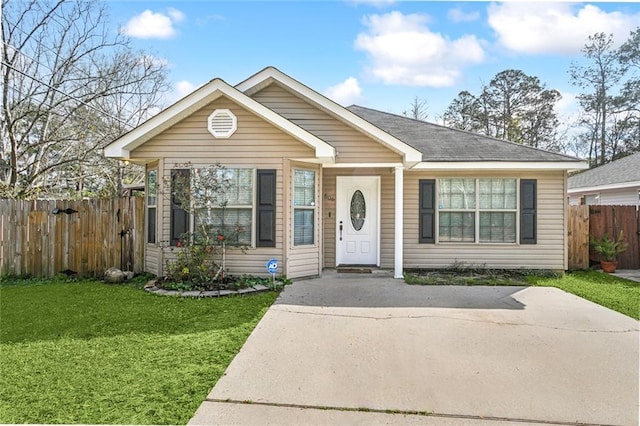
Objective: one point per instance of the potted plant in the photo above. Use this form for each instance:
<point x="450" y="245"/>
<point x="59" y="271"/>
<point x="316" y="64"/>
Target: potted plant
<point x="609" y="249"/>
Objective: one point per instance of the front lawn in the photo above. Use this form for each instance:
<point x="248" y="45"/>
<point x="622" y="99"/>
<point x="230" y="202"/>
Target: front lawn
<point x="607" y="290"/>
<point x="86" y="352"/>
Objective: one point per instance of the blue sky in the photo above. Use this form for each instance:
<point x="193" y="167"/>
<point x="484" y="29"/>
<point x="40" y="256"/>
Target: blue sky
<point x="380" y="54"/>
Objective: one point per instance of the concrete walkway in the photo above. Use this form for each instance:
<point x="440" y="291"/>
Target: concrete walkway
<point x="630" y="274"/>
<point x="365" y="350"/>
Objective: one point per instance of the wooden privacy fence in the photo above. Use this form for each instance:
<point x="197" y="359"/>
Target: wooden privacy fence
<point x="598" y="221"/>
<point x="46" y="237"/>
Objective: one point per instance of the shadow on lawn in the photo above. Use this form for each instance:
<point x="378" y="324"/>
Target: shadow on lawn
<point x="90" y="309"/>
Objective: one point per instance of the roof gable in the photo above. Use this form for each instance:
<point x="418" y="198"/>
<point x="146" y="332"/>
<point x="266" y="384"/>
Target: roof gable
<point x="411" y="156"/>
<point x="623" y="171"/>
<point x="121" y="147"/>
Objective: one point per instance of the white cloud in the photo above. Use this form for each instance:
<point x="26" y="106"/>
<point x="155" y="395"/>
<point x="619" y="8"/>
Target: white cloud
<point x="183" y="88"/>
<point x="567" y="106"/>
<point x="459" y="15"/>
<point x="175" y="14"/>
<point x="153" y="25"/>
<point x="346" y="93"/>
<point x="403" y="50"/>
<point x="179" y="90"/>
<point x="555" y="27"/>
<point x="202" y="21"/>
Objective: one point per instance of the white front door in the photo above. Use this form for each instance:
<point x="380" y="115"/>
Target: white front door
<point x="357" y="220"/>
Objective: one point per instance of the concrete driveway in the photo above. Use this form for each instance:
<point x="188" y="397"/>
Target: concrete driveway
<point x="348" y="349"/>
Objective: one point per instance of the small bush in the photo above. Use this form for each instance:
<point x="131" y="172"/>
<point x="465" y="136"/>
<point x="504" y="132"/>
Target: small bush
<point x="193" y="269"/>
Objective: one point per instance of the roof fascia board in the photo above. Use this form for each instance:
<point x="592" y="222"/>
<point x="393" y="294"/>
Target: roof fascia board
<point x="501" y="165"/>
<point x="198" y="99"/>
<point x="122" y="146"/>
<point x="621" y="185"/>
<point x="361" y="165"/>
<point x="270" y="74"/>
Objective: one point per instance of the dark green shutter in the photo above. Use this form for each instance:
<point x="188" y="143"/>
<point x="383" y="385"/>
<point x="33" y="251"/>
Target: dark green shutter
<point x="528" y="215"/>
<point x="266" y="209"/>
<point x="427" y="211"/>
<point x="179" y="216"/>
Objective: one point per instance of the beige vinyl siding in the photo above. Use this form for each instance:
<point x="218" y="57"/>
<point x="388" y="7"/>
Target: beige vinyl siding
<point x="152" y="259"/>
<point x="387" y="215"/>
<point x="351" y="145"/>
<point x="256" y="144"/>
<point x="614" y="197"/>
<point x="304" y="261"/>
<point x="548" y="253"/>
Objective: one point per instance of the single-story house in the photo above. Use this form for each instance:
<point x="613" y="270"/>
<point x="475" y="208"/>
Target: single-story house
<point x="614" y="183"/>
<point x="325" y="185"/>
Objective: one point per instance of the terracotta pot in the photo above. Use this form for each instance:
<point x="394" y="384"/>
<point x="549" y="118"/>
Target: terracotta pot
<point x="608" y="266"/>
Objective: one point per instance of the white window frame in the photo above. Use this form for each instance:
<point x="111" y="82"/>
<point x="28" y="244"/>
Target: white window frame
<point x="151" y="206"/>
<point x="251" y="206"/>
<point x="477" y="210"/>
<point x="313" y="208"/>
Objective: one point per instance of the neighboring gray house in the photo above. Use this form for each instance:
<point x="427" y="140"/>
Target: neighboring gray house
<point x="615" y="183"/>
<point x="318" y="185"/>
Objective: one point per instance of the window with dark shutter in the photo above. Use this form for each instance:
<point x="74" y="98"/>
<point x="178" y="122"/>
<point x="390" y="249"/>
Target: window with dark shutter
<point x="179" y="217"/>
<point x="528" y="214"/>
<point x="266" y="209"/>
<point x="427" y="211"/>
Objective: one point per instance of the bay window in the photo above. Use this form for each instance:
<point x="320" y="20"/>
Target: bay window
<point x="229" y="214"/>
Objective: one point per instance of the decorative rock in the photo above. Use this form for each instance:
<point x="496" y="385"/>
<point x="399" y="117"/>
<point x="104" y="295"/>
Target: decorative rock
<point x="210" y="293"/>
<point x="245" y="290"/>
<point x="260" y="287"/>
<point x="191" y="293"/>
<point x="225" y="292"/>
<point x="128" y="275"/>
<point x="114" y="276"/>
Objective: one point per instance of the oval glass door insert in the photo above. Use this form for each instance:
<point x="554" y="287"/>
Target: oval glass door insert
<point x="358" y="210"/>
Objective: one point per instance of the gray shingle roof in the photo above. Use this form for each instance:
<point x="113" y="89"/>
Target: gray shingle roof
<point x="626" y="169"/>
<point x="440" y="143"/>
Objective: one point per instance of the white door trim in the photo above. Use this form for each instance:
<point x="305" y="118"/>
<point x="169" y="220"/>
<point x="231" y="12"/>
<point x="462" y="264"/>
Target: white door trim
<point x="340" y="182"/>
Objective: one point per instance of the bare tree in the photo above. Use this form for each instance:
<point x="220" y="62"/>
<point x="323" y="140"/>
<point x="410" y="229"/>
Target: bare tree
<point x="418" y="109"/>
<point x="69" y="87"/>
<point x="602" y="73"/>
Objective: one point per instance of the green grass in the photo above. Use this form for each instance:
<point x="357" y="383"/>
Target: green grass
<point x="612" y="292"/>
<point x="87" y="352"/>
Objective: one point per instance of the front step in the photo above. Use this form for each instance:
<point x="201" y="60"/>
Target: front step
<point x="353" y="270"/>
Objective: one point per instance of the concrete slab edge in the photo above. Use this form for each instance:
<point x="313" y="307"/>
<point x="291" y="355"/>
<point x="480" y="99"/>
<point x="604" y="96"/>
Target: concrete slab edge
<point x="399" y="412"/>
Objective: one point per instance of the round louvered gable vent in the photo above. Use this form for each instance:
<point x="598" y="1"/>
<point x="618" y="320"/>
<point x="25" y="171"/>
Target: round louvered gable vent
<point x="222" y="123"/>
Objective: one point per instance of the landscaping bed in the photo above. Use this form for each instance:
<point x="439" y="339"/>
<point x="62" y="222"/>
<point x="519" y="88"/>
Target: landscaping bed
<point x="469" y="275"/>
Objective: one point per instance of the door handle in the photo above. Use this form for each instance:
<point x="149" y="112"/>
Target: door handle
<point x="340" y="230"/>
